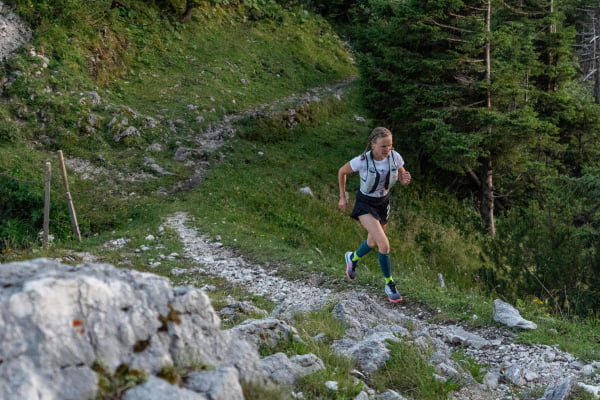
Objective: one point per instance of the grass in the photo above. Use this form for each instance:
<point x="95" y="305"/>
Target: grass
<point x="576" y="337"/>
<point x="254" y="391"/>
<point x="476" y="370"/>
<point x="416" y="381"/>
<point x="220" y="71"/>
<point x="321" y="323"/>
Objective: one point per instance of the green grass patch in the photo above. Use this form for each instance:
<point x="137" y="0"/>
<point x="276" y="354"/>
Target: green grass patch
<point x="322" y="323"/>
<point x="578" y="337"/>
<point x="253" y="391"/>
<point x="409" y="373"/>
<point x="476" y="370"/>
<point x="220" y="71"/>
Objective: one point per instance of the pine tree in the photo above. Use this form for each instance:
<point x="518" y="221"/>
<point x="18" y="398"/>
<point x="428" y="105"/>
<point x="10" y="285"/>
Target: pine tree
<point x="474" y="85"/>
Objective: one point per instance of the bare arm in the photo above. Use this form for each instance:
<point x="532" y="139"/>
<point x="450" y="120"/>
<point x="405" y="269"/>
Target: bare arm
<point x="404" y="176"/>
<point x="343" y="171"/>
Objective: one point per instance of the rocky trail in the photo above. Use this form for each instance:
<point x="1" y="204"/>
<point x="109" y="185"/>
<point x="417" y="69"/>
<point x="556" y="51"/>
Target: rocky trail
<point x="512" y="368"/>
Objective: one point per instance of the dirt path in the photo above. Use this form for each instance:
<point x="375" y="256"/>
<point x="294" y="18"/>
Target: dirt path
<point x="212" y="257"/>
<point x="215" y="134"/>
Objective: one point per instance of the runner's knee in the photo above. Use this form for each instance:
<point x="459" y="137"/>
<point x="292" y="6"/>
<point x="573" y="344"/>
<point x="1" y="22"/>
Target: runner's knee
<point x="384" y="247"/>
<point x="382" y="244"/>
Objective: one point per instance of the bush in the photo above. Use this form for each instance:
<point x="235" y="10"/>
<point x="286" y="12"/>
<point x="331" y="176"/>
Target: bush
<point x="550" y="249"/>
<point x="22" y="213"/>
<point x="337" y="10"/>
<point x="9" y="132"/>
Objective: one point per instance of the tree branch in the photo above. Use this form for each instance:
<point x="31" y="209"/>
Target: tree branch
<point x="447" y="26"/>
<point x="473" y="175"/>
<point x="534" y="13"/>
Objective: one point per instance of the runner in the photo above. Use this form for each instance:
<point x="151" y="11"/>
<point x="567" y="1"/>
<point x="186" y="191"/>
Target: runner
<point x="379" y="168"/>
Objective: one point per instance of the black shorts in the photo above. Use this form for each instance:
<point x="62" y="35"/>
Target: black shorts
<point x="378" y="207"/>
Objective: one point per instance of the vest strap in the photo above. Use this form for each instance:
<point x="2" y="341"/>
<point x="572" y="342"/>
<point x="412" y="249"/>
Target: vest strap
<point x="373" y="176"/>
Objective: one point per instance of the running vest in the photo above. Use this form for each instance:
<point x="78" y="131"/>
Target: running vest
<point x="369" y="185"/>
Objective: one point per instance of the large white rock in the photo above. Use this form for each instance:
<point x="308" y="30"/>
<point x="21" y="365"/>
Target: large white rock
<point x="56" y="320"/>
<point x="506" y="314"/>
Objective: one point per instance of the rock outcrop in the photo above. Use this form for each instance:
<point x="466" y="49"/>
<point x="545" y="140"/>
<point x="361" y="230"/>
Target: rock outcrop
<point x="13" y="32"/>
<point x="57" y="322"/>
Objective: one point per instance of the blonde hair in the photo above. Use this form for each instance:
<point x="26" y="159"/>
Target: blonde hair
<point x="376" y="133"/>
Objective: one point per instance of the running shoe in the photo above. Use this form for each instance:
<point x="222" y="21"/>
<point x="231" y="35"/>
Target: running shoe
<point x="392" y="293"/>
<point x="350" y="266"/>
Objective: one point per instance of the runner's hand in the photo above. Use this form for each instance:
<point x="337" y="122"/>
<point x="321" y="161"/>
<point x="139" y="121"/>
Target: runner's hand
<point x="405" y="178"/>
<point x="343" y="203"/>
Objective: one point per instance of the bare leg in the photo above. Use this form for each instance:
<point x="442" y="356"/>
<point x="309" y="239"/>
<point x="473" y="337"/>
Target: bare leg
<point x="376" y="237"/>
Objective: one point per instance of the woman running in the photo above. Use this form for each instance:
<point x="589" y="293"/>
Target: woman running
<point x="379" y="168"/>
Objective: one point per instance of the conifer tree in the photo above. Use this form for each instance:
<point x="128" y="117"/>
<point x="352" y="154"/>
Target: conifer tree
<point x="474" y="84"/>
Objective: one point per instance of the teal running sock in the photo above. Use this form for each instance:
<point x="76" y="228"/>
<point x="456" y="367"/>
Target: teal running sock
<point x="385" y="264"/>
<point x="362" y="251"/>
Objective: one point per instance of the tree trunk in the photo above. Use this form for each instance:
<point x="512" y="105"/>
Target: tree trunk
<point x="187" y="14"/>
<point x="487" y="199"/>
<point x="595" y="63"/>
<point x="487" y="184"/>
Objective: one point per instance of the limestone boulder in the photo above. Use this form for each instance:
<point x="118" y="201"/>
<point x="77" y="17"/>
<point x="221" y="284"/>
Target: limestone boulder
<point x="57" y="320"/>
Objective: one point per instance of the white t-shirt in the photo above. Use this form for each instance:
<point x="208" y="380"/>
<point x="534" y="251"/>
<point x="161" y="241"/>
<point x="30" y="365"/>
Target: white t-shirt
<point x="383" y="167"/>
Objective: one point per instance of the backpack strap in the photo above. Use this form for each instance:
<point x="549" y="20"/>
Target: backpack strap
<point x="369" y="156"/>
<point x="391" y="160"/>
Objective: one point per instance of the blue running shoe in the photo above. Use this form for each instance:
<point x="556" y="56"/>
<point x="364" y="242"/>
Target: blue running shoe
<point x="392" y="293"/>
<point x="350" y="266"/>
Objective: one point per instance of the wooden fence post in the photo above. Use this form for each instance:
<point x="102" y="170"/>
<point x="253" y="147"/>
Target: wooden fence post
<point x="47" y="206"/>
<point x="69" y="199"/>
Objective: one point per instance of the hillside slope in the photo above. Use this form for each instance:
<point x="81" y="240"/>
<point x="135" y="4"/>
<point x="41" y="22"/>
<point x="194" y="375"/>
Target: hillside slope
<point x="128" y="82"/>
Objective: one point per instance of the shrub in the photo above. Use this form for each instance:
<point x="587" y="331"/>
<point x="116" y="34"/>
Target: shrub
<point x="9" y="132"/>
<point x="549" y="249"/>
<point x="22" y="213"/>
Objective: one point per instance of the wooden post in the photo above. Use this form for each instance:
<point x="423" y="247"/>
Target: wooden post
<point x="69" y="199"/>
<point x="46" y="206"/>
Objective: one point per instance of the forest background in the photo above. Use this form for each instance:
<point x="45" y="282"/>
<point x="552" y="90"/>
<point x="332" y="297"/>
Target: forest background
<point x="494" y="106"/>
